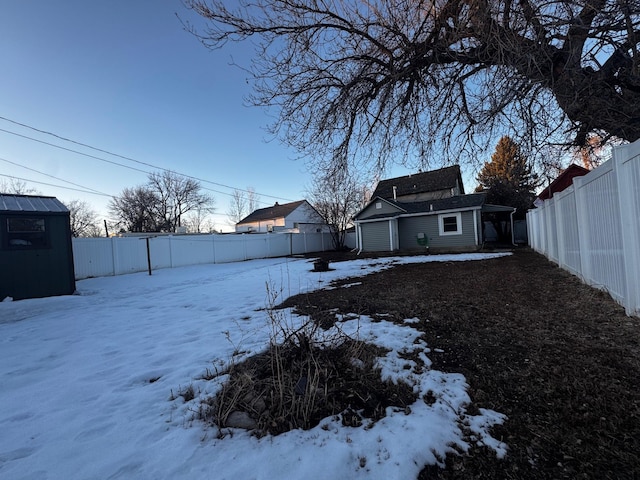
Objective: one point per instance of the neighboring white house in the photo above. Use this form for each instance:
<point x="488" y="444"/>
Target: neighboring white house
<point x="294" y="217"/>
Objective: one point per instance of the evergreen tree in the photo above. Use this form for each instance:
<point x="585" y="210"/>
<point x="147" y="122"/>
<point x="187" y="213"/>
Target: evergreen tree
<point x="507" y="178"/>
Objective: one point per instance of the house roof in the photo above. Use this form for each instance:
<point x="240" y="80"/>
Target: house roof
<point x="30" y="204"/>
<point x="563" y="181"/>
<point x="451" y="203"/>
<point x="459" y="202"/>
<point x="272" y="212"/>
<point x="442" y="179"/>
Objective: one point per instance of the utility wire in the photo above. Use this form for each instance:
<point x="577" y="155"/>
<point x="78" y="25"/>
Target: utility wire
<point x="121" y="156"/>
<point x="57" y="186"/>
<point x="113" y="162"/>
<point x="54" y="177"/>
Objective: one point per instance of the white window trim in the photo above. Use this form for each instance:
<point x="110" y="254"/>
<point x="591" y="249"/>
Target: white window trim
<point x="441" y="218"/>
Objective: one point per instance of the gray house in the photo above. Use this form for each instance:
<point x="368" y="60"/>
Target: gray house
<point x="427" y="211"/>
<point x="35" y="247"/>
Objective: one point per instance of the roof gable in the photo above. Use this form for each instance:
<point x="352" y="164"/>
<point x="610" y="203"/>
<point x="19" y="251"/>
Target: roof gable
<point x="272" y="212"/>
<point x="435" y="180"/>
<point x="386" y="209"/>
<point x="30" y="204"/>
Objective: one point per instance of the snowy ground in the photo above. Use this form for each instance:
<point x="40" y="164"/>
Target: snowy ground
<point x="88" y="382"/>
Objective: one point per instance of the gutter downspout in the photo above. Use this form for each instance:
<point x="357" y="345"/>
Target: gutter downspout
<point x="513" y="233"/>
<point x="358" y="238"/>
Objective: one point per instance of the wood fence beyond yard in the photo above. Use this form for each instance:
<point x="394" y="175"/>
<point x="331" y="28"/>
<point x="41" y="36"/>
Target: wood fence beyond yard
<point x="99" y="257"/>
<point x="592" y="229"/>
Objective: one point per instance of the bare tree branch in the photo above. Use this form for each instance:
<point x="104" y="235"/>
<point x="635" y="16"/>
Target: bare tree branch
<point x="403" y="81"/>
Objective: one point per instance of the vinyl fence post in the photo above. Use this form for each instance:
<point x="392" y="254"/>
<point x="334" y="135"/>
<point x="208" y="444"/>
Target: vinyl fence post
<point x="113" y="255"/>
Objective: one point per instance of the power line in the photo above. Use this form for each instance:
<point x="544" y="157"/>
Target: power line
<point x="111" y="161"/>
<point x="56" y="186"/>
<point x="54" y="177"/>
<point x="120" y="156"/>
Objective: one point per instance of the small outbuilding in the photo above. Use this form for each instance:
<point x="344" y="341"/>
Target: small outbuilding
<point x="36" y="254"/>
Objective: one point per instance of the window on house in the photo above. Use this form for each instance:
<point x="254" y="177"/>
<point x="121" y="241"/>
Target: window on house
<point x="450" y="224"/>
<point x="26" y="232"/>
<point x="378" y="205"/>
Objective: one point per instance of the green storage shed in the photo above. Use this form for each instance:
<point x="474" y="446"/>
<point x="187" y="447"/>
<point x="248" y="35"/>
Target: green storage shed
<point x="36" y="255"/>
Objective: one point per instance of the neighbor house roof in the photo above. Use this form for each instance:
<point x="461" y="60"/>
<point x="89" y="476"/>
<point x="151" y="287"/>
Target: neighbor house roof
<point x="30" y="203"/>
<point x="272" y="212"/>
<point x="564" y="180"/>
<point x="442" y="179"/>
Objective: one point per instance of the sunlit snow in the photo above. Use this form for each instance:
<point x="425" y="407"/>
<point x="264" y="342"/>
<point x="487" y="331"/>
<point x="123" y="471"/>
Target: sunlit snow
<point x="89" y="382"/>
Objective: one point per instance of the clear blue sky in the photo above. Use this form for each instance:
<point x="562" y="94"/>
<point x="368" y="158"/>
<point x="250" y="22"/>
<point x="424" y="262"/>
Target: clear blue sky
<point x="124" y="76"/>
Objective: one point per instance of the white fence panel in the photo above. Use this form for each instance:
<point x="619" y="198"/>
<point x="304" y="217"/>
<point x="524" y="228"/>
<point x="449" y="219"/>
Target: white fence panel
<point x="567" y="228"/>
<point x="129" y="255"/>
<point x="604" y="266"/>
<point x="93" y="257"/>
<point x="593" y="228"/>
<point x="628" y="161"/>
<point x="230" y="248"/>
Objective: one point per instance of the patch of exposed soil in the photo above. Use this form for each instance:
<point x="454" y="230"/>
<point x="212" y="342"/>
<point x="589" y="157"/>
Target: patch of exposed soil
<point x="559" y="358"/>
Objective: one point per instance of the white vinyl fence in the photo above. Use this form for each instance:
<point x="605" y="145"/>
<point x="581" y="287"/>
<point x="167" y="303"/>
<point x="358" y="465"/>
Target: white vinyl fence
<point x="99" y="257"/>
<point x="592" y="229"/>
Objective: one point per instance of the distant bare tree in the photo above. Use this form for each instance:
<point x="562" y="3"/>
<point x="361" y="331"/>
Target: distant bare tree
<point x="237" y="206"/>
<point x="242" y="203"/>
<point x="199" y="220"/>
<point x="253" y="199"/>
<point x="161" y="204"/>
<point x="397" y="80"/>
<point x="337" y="198"/>
<point x="134" y="210"/>
<point x="16" y="187"/>
<point x="83" y="219"/>
<point x="176" y="196"/>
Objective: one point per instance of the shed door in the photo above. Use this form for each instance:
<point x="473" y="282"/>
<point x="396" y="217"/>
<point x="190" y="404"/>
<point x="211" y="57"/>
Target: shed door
<point x="375" y="237"/>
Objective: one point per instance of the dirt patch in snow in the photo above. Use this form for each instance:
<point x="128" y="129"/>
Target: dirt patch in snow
<point x="559" y="358"/>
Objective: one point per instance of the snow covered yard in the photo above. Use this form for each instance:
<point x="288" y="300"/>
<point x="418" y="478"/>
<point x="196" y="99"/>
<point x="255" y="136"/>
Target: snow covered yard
<point x="90" y="382"/>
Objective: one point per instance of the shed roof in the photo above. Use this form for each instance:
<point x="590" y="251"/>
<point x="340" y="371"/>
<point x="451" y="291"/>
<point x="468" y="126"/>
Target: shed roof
<point x="442" y="179"/>
<point x="272" y="212"/>
<point x="30" y="204"/>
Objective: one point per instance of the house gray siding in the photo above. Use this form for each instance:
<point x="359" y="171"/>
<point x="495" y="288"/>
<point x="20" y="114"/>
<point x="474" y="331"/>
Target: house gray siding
<point x="428" y="224"/>
<point x="375" y="236"/>
<point x="410" y="227"/>
<point x="371" y="210"/>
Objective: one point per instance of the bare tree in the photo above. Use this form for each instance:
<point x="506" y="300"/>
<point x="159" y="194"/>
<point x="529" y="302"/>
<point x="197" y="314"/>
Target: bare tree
<point x="403" y="80"/>
<point x="337" y="198"/>
<point x="242" y="203"/>
<point x="16" y="187"/>
<point x="237" y="206"/>
<point x="253" y="199"/>
<point x="134" y="210"/>
<point x="161" y="204"/>
<point x="199" y="221"/>
<point x="83" y="219"/>
<point x="176" y="196"/>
